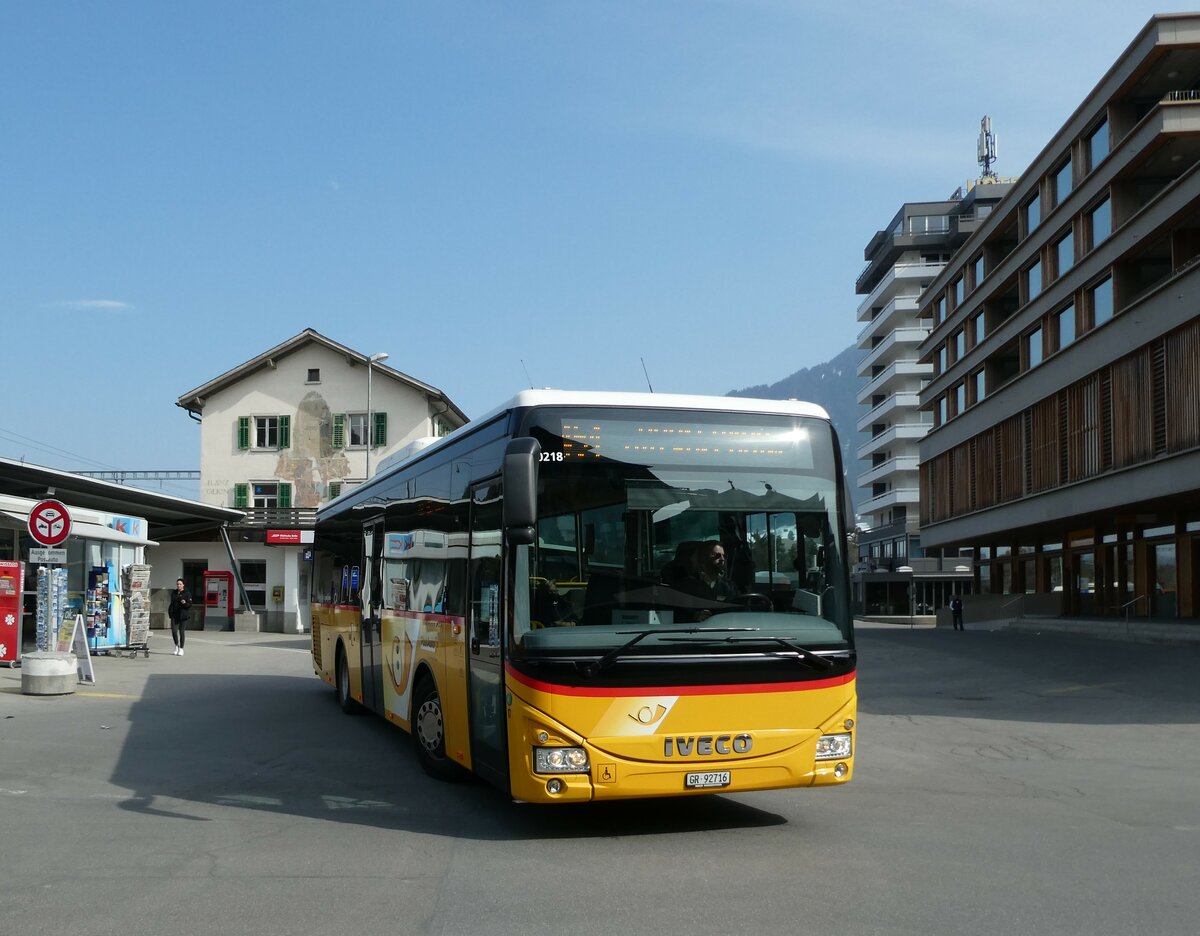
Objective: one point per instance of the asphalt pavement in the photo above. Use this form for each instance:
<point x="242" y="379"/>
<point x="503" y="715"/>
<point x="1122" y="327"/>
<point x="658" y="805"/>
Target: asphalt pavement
<point x="1005" y="783"/>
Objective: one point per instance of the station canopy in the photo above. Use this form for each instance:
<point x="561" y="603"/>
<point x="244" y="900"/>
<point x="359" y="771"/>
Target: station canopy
<point x="168" y="517"/>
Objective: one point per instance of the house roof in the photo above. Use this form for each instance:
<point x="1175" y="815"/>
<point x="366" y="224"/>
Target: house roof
<point x="193" y="401"/>
<point x="169" y="517"/>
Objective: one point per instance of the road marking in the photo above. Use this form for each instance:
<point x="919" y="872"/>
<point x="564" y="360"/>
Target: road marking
<point x="107" y="695"/>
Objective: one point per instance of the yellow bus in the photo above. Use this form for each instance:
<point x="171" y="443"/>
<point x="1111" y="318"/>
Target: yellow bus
<point x="589" y="596"/>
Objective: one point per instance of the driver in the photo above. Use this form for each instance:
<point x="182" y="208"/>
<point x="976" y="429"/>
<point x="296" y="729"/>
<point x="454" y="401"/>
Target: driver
<point x="710" y="568"/>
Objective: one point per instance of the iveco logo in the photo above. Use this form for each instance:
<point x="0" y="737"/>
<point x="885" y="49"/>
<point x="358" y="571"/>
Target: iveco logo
<point x="708" y="745"/>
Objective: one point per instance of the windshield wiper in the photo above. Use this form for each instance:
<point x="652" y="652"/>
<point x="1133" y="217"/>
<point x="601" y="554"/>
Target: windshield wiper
<point x="607" y="660"/>
<point x="803" y="654"/>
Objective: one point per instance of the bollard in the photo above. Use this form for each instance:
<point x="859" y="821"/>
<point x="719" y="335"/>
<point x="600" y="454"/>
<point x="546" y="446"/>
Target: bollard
<point x="45" y="672"/>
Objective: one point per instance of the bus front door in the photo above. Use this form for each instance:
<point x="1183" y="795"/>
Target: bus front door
<point x="371" y="597"/>
<point x="489" y="750"/>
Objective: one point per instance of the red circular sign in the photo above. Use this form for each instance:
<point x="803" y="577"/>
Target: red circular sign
<point x="50" y="523"/>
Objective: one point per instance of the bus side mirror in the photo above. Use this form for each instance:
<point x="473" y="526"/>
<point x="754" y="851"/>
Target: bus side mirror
<point x="521" y="459"/>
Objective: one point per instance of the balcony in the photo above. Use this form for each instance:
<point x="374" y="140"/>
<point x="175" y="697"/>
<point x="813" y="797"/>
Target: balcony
<point x="893" y="498"/>
<point x="889" y="437"/>
<point x="899" y="376"/>
<point x="902" y="464"/>
<point x="901" y="343"/>
<point x="897" y="401"/>
<point x="902" y="274"/>
<point x="282" y="518"/>
<point x="899" y="312"/>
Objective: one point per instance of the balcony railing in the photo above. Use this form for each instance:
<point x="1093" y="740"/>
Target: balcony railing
<point x="284" y="518"/>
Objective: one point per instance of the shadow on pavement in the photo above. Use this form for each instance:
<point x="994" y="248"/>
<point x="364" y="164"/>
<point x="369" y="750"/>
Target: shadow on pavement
<point x="281" y="744"/>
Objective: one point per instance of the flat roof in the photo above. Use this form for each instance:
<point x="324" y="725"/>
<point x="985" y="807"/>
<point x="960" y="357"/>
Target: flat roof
<point x="167" y="516"/>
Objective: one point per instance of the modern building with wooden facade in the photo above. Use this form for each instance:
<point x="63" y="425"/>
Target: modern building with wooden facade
<point x="1065" y="344"/>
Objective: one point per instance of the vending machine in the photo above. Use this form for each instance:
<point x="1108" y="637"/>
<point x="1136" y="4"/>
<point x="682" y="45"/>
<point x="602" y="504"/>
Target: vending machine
<point x="218" y="601"/>
<point x="12" y="580"/>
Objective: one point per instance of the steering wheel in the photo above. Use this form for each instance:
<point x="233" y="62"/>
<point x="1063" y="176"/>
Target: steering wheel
<point x="754" y="601"/>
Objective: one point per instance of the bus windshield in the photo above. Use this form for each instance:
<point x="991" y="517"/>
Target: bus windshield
<point x="708" y="530"/>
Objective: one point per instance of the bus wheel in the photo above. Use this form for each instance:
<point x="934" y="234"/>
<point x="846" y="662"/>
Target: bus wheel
<point x="349" y="706"/>
<point x="429" y="730"/>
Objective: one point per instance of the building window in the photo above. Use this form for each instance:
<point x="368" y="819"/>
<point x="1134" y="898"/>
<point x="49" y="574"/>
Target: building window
<point x="980" y="386"/>
<point x="943" y="403"/>
<point x="1033" y="281"/>
<point x="271" y="495"/>
<point x="350" y="430"/>
<point x="440" y="427"/>
<point x="960" y="344"/>
<point x="314" y="375"/>
<point x="1066" y="326"/>
<point x="1064" y="253"/>
<point x="1098" y="144"/>
<point x="941" y="359"/>
<point x="1100" y="223"/>
<point x="265" y="432"/>
<point x="1033" y="214"/>
<point x="335" y="489"/>
<point x="939" y="310"/>
<point x="977" y="271"/>
<point x="958" y="292"/>
<point x="928" y="224"/>
<point x="1063" y="182"/>
<point x="1100" y="301"/>
<point x="960" y="398"/>
<point x="358" y="429"/>
<point x="980" y="329"/>
<point x="1033" y="348"/>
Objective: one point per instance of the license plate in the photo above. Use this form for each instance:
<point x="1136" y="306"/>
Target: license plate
<point x="709" y="778"/>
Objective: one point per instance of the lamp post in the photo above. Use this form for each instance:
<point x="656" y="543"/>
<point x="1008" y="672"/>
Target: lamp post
<point x="371" y="362"/>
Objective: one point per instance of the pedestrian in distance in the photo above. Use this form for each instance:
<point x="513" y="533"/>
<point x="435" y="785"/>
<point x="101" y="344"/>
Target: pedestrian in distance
<point x="179" y="611"/>
<point x="956" y="612"/>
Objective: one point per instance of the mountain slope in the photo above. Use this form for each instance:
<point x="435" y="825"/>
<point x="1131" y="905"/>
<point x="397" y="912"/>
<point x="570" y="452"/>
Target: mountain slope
<point x="834" y="386"/>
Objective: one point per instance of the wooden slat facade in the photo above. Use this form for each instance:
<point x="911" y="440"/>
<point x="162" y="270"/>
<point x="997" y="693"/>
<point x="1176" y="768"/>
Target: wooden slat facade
<point x="1140" y="407"/>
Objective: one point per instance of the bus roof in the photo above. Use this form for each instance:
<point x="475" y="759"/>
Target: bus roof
<point x="528" y="399"/>
<point x="683" y="401"/>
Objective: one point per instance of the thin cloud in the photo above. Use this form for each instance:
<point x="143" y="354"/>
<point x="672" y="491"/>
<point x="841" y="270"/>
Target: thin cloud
<point x="90" y="305"/>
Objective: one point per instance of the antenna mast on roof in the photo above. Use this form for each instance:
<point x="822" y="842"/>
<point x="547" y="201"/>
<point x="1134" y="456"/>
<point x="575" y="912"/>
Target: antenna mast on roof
<point x="987" y="148"/>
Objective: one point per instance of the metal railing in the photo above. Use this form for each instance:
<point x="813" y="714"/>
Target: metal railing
<point x="1125" y="608"/>
<point x="283" y="517"/>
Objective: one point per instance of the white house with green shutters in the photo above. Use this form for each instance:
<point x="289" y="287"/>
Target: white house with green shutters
<point x="292" y="428"/>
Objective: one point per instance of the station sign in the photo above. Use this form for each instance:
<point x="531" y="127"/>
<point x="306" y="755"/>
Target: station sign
<point x="290" y="537"/>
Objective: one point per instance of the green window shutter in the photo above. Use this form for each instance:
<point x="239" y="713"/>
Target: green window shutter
<point x="243" y="432"/>
<point x="335" y="489"/>
<point x="338" y="439"/>
<point x="284" y="498"/>
<point x="379" y="433"/>
<point x="285" y="432"/>
<point x="241" y="495"/>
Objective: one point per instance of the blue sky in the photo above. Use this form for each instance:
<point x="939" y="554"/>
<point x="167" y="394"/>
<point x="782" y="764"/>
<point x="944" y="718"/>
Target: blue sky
<point x="479" y="189"/>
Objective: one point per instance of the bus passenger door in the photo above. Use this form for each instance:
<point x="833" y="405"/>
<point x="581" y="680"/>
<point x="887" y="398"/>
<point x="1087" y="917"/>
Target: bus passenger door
<point x="485" y="687"/>
<point x="371" y="598"/>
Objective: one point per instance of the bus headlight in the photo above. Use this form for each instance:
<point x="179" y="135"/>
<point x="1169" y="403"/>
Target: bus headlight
<point x="833" y="747"/>
<point x="560" y="760"/>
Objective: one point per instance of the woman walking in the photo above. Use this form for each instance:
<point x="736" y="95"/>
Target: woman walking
<point x="179" y="612"/>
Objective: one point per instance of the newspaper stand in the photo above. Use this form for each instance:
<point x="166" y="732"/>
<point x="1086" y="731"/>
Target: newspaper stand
<point x="137" y="594"/>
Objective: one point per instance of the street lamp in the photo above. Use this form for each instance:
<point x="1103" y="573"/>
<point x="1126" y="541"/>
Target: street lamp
<point x="371" y="362"/>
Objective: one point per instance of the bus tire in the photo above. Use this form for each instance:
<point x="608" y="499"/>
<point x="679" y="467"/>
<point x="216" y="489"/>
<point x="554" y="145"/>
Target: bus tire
<point x="342" y="671"/>
<point x="429" y="733"/>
